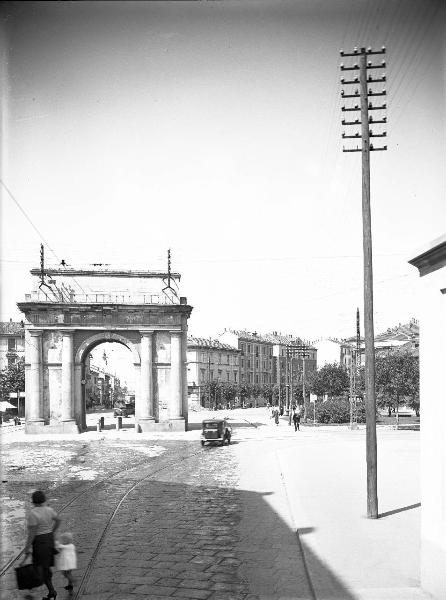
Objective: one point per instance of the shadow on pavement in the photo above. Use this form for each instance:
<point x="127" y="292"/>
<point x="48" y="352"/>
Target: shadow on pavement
<point x="398" y="510"/>
<point x="174" y="538"/>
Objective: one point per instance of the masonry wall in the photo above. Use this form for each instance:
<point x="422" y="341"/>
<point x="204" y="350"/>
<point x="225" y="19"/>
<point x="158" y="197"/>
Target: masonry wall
<point x="433" y="434"/>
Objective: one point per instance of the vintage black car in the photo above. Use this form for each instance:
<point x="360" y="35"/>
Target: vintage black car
<point x="216" y="430"/>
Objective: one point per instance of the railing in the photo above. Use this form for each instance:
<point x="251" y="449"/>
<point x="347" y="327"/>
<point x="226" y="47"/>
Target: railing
<point x="100" y="298"/>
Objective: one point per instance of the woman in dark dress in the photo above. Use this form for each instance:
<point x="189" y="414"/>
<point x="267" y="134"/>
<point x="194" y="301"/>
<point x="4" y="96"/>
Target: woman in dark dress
<point x="42" y="523"/>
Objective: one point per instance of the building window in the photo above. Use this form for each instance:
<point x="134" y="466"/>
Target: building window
<point x="249" y="347"/>
<point x="257" y="379"/>
<point x="235" y="376"/>
<point x="202" y="374"/>
<point x="11" y="344"/>
<point x="249" y="364"/>
<point x="11" y="360"/>
<point x="227" y="376"/>
<point x="229" y="359"/>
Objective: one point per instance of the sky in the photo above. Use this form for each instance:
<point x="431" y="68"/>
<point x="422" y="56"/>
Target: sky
<point x="214" y="129"/>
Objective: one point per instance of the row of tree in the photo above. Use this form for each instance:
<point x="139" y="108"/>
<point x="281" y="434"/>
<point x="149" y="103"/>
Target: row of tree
<point x="397" y="382"/>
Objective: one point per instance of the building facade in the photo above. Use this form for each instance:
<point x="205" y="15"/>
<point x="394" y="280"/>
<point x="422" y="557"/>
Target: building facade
<point x="256" y="355"/>
<point x="431" y="265"/>
<point x="210" y="360"/>
<point x="272" y="358"/>
<point x="12" y="343"/>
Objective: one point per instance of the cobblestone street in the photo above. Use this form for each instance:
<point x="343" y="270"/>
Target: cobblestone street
<point x="183" y="531"/>
<point x="160" y="516"/>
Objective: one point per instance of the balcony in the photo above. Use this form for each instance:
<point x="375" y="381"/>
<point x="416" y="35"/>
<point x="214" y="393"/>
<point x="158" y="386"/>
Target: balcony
<point x="102" y="298"/>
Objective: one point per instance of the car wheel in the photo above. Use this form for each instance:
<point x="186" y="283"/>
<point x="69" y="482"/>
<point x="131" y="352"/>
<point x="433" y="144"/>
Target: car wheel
<point x="202" y="443"/>
<point x="229" y="439"/>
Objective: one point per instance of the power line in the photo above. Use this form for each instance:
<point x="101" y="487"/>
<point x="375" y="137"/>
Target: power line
<point x="28" y="218"/>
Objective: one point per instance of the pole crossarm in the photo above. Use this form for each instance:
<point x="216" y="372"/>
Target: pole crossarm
<point x="356" y="52"/>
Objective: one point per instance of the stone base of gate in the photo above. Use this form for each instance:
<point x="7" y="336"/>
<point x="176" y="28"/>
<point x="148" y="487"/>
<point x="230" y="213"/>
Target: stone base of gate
<point x="143" y="426"/>
<point x="63" y="427"/>
<point x="35" y="427"/>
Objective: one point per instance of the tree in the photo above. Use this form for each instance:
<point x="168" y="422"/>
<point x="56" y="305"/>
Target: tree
<point x="12" y="379"/>
<point x="397" y="381"/>
<point x="244" y="391"/>
<point x="331" y="379"/>
<point x="229" y="392"/>
<point x="211" y="393"/>
<point x="256" y="391"/>
<point x="268" y="392"/>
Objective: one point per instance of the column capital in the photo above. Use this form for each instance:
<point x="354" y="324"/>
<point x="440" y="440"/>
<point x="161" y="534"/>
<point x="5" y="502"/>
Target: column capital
<point x="67" y="331"/>
<point x="176" y="332"/>
<point x="146" y="332"/>
<point x="35" y="332"/>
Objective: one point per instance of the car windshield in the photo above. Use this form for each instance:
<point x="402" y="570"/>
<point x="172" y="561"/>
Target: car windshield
<point x="210" y="425"/>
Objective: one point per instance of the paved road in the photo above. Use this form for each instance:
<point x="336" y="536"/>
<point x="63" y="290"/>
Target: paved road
<point x="220" y="523"/>
<point x="186" y="531"/>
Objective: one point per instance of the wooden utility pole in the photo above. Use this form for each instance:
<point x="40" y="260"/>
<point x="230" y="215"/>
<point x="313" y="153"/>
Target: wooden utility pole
<point x="364" y="93"/>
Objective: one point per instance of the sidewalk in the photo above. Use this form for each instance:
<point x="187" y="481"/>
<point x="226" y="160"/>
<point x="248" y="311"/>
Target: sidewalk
<point x="323" y="497"/>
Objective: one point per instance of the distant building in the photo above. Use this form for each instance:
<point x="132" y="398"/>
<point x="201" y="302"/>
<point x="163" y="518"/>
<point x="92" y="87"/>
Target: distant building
<point x="210" y="360"/>
<point x="100" y="386"/>
<point x="256" y="355"/>
<point x="12" y="343"/>
<point x="288" y="353"/>
<point x="402" y="337"/>
<point x="271" y="358"/>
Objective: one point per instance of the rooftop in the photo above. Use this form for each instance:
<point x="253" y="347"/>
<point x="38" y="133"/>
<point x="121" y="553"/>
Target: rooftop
<point x="268" y="338"/>
<point x="11" y="328"/>
<point x="208" y="343"/>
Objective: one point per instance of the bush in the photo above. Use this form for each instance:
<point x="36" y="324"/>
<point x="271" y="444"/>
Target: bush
<point x="337" y="410"/>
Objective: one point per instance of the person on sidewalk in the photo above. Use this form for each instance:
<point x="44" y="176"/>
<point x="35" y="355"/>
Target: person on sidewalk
<point x="66" y="560"/>
<point x="296" y="420"/>
<point x="42" y="523"/>
<point x="276" y="415"/>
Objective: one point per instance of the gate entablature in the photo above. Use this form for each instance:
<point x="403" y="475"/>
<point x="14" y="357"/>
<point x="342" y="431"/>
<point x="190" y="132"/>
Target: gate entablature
<point x="63" y="325"/>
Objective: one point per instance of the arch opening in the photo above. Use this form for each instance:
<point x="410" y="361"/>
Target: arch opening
<point x="106" y="372"/>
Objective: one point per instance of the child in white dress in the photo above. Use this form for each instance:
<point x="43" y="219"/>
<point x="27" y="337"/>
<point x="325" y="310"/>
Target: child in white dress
<point x="66" y="560"/>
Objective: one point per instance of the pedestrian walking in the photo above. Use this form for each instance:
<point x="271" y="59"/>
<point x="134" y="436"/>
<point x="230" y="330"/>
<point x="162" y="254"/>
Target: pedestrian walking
<point x="276" y="415"/>
<point x="42" y="523"/>
<point x="66" y="560"/>
<point x="296" y="420"/>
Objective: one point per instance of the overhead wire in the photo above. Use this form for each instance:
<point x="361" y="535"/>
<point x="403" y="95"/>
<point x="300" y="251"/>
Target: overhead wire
<point x="28" y="218"/>
<point x="417" y="60"/>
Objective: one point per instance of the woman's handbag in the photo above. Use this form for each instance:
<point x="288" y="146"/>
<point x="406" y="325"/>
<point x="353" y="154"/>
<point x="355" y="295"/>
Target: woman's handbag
<point x="28" y="576"/>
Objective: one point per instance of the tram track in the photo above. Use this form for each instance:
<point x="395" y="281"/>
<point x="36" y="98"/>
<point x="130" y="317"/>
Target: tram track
<point x="109" y="477"/>
<point x="87" y="572"/>
<point x="117" y="498"/>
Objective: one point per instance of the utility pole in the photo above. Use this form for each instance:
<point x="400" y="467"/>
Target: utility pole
<point x="364" y="93"/>
<point x="287" y="383"/>
<point x="302" y="352"/>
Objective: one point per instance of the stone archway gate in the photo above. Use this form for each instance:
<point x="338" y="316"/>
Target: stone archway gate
<point x="64" y="324"/>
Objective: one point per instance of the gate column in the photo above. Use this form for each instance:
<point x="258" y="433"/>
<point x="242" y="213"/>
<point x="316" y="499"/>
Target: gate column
<point x="67" y="407"/>
<point x="144" y="414"/>
<point x="34" y="393"/>
<point x="176" y="377"/>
